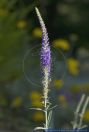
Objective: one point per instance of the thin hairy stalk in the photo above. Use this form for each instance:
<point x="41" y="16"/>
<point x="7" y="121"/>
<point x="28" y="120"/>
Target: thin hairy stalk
<point x="82" y="114"/>
<point x="45" y="59"/>
<point x="78" y="118"/>
<point x="77" y="111"/>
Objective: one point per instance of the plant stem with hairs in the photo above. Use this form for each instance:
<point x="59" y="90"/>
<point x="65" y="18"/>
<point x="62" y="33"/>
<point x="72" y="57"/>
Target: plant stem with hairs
<point x="45" y="59"/>
<point x="78" y="118"/>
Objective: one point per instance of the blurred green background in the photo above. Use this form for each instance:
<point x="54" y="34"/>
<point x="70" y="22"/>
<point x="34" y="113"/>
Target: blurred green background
<point x="67" y="22"/>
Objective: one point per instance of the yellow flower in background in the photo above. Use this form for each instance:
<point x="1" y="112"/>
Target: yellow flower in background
<point x="38" y="116"/>
<point x="37" y="32"/>
<point x="86" y="115"/>
<point x="61" y="43"/>
<point x="16" y="102"/>
<point x="73" y="66"/>
<point x="35" y="98"/>
<point x="21" y="24"/>
<point x="62" y="99"/>
<point x="3" y="12"/>
<point x="58" y="83"/>
<point x="37" y="103"/>
<point x="34" y="95"/>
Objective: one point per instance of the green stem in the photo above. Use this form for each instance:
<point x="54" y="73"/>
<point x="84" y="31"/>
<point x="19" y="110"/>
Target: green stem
<point x="46" y="114"/>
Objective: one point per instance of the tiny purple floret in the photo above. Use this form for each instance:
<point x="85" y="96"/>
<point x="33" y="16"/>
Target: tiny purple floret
<point x="45" y="57"/>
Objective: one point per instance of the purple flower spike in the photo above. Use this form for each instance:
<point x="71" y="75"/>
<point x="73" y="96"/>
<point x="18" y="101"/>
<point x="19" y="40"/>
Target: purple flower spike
<point x="45" y="54"/>
<point x="46" y="58"/>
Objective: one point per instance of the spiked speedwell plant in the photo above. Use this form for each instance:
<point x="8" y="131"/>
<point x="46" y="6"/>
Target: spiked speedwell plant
<point x="45" y="59"/>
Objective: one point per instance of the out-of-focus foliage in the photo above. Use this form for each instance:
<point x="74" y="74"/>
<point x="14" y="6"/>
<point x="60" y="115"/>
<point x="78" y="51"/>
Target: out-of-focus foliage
<point x="16" y="102"/>
<point x="38" y="116"/>
<point x="13" y="37"/>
